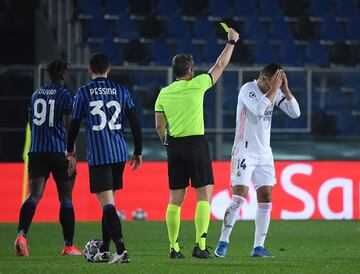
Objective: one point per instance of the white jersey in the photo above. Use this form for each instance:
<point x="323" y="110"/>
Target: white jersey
<point x="253" y="119"/>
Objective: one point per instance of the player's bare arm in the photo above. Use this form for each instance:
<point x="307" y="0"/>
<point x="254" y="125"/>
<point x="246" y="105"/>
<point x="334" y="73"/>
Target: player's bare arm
<point x="160" y="124"/>
<point x="224" y="58"/>
<point x="285" y="86"/>
<point x="275" y="84"/>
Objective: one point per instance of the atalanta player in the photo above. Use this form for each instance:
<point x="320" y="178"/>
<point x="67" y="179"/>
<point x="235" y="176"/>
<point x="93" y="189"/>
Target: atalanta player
<point x="49" y="117"/>
<point x="103" y="105"/>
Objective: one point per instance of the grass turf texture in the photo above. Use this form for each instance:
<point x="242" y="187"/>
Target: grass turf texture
<point x="298" y="247"/>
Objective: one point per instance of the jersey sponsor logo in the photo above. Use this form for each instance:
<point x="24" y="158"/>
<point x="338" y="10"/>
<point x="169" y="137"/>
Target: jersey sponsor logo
<point x="252" y="94"/>
<point x="268" y="113"/>
<point x="103" y="91"/>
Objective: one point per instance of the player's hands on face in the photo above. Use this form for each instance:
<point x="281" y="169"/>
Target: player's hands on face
<point x="284" y="86"/>
<point x="71" y="157"/>
<point x="276" y="80"/>
<point x="233" y="35"/>
<point x="135" y="162"/>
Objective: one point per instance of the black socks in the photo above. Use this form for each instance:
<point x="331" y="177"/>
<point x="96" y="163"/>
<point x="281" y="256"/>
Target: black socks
<point x="113" y="227"/>
<point x="26" y="215"/>
<point x="106" y="238"/>
<point x="67" y="221"/>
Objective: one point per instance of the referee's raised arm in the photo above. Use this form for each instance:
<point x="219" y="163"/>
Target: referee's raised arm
<point x="224" y="58"/>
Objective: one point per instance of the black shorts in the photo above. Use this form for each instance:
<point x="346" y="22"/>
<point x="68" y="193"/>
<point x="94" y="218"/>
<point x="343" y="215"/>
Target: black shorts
<point x="42" y="163"/>
<point x="189" y="158"/>
<point x="106" y="177"/>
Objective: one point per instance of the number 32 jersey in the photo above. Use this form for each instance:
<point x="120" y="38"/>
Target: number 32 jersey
<point x="102" y="104"/>
<point x="48" y="105"/>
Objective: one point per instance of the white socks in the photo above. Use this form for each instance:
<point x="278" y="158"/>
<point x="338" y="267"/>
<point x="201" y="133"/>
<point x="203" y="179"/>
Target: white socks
<point x="231" y="215"/>
<point x="262" y="221"/>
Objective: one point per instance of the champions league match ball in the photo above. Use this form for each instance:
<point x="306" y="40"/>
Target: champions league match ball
<point x="91" y="249"/>
<point x="139" y="214"/>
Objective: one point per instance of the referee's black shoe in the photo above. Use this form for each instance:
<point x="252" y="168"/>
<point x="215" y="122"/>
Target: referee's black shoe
<point x="176" y="254"/>
<point x="200" y="254"/>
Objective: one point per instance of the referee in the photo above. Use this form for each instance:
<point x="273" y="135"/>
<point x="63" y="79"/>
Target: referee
<point x="181" y="106"/>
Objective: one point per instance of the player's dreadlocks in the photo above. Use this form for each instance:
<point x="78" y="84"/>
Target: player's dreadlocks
<point x="56" y="70"/>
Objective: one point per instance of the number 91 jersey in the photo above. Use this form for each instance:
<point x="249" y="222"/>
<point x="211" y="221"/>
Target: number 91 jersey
<point x="102" y="104"/>
<point x="48" y="105"/>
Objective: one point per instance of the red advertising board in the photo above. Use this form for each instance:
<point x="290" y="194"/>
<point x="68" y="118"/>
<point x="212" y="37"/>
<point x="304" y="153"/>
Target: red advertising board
<point x="304" y="190"/>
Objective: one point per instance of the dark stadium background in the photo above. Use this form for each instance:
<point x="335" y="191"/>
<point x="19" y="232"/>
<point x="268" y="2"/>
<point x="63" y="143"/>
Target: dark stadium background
<point x="317" y="41"/>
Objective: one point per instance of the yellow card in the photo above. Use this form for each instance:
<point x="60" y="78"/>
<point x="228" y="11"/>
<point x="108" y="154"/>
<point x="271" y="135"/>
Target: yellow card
<point x="225" y="27"/>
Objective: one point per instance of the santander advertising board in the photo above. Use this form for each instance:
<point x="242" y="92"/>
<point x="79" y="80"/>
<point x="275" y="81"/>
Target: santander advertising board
<point x="304" y="190"/>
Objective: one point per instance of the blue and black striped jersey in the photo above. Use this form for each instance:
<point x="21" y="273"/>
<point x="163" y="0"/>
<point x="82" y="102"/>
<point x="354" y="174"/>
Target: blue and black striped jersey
<point x="102" y="104"/>
<point x="48" y="104"/>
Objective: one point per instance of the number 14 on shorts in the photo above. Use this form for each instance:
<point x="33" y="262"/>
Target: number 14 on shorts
<point x="241" y="164"/>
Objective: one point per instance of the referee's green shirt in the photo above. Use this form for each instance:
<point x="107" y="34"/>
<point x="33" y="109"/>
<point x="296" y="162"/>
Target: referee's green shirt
<point x="182" y="104"/>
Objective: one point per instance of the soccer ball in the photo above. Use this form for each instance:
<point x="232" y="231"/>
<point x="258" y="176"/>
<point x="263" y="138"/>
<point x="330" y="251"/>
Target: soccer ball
<point x="91" y="249"/>
<point x="139" y="214"/>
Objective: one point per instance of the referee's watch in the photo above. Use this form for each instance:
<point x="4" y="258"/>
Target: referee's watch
<point x="231" y="42"/>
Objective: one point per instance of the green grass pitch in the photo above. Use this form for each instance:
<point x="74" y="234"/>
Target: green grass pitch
<point x="298" y="247"/>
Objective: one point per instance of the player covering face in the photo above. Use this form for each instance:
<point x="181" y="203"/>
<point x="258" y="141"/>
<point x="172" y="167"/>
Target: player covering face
<point x="180" y="105"/>
<point x="49" y="116"/>
<point x="252" y="158"/>
<point x="104" y="104"/>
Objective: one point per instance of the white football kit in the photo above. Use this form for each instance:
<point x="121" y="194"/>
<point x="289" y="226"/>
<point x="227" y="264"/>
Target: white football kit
<point x="252" y="158"/>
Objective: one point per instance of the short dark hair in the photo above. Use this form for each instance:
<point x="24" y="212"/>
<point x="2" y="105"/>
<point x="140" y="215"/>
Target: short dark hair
<point x="181" y="63"/>
<point x="270" y="69"/>
<point x="56" y="69"/>
<point x="98" y="63"/>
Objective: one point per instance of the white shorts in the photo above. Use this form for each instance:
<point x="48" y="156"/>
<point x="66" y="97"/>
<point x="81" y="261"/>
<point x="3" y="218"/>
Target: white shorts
<point x="246" y="170"/>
